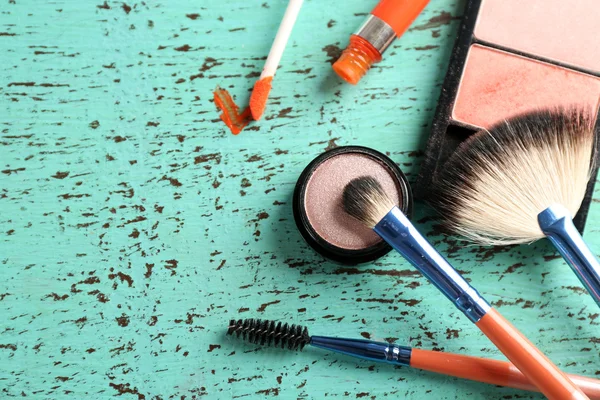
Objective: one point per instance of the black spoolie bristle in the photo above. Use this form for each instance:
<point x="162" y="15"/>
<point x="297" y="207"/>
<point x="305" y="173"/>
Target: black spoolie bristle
<point x="265" y="332"/>
<point x="365" y="200"/>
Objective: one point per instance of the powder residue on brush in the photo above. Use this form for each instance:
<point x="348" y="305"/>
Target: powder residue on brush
<point x="230" y="114"/>
<point x="258" y="99"/>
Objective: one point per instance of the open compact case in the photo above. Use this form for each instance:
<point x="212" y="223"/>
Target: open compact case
<point x="513" y="57"/>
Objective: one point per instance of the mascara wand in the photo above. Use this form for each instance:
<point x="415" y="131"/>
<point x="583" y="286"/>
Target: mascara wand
<point x="295" y="337"/>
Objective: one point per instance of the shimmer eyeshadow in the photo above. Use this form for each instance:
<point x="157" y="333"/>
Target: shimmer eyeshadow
<point x="324" y="193"/>
<point x="317" y="203"/>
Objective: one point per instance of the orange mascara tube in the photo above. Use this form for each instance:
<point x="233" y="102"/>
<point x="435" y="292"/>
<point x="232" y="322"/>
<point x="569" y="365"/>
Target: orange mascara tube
<point x="388" y="20"/>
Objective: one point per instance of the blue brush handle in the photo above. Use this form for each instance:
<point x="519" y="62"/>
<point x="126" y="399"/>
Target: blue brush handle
<point x="556" y="223"/>
<point x="365" y="349"/>
<point x="398" y="231"/>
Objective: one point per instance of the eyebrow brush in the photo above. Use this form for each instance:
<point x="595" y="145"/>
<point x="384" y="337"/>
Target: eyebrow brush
<point x="296" y="337"/>
<point x="365" y="200"/>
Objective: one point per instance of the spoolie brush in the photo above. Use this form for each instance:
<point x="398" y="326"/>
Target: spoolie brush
<point x="365" y="199"/>
<point x="523" y="180"/>
<point x="264" y="332"/>
<point x="495" y="372"/>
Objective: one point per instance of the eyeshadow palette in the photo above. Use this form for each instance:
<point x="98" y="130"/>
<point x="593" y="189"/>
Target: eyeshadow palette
<point x="512" y="57"/>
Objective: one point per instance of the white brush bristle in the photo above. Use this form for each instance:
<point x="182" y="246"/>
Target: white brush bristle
<point x="498" y="181"/>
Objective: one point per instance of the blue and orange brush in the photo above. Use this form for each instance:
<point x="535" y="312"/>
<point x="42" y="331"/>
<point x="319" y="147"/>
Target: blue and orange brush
<point x="495" y="372"/>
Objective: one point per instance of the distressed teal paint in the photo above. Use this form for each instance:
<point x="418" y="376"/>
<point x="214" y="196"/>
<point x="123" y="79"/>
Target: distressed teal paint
<point x="134" y="226"/>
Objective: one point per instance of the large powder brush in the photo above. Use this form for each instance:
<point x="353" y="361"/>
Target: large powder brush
<point x="522" y="180"/>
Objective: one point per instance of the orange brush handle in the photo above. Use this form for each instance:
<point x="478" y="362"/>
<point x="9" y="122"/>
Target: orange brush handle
<point x="527" y="358"/>
<point x="494" y="372"/>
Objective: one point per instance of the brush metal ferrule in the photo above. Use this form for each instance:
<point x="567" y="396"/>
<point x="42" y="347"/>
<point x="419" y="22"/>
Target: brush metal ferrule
<point x="399" y="232"/>
<point x="556" y="223"/>
<point x="365" y="349"/>
<point x="377" y="32"/>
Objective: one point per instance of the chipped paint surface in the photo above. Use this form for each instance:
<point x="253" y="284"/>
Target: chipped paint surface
<point x="134" y="225"/>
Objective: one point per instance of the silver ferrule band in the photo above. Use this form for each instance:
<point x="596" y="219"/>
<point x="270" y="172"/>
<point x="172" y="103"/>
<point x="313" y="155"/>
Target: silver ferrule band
<point x="396" y="229"/>
<point x="377" y="32"/>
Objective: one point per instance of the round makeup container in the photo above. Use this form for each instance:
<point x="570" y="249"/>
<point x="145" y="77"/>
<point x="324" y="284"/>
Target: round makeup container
<point x="318" y="203"/>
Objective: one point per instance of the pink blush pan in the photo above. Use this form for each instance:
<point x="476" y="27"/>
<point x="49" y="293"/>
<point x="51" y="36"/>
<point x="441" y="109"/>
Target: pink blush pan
<point x="496" y="85"/>
<point x="559" y="30"/>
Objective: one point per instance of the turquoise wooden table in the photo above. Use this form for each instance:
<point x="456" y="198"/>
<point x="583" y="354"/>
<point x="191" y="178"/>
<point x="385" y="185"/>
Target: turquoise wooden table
<point x="134" y="225"/>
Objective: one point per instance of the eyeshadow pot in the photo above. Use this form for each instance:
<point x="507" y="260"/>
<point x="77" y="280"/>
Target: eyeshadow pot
<point x="317" y="203"/>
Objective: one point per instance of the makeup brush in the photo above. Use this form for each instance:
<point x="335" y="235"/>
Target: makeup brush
<point x="365" y="200"/>
<point x="522" y="180"/>
<point x="495" y="372"/>
<point x="262" y="87"/>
